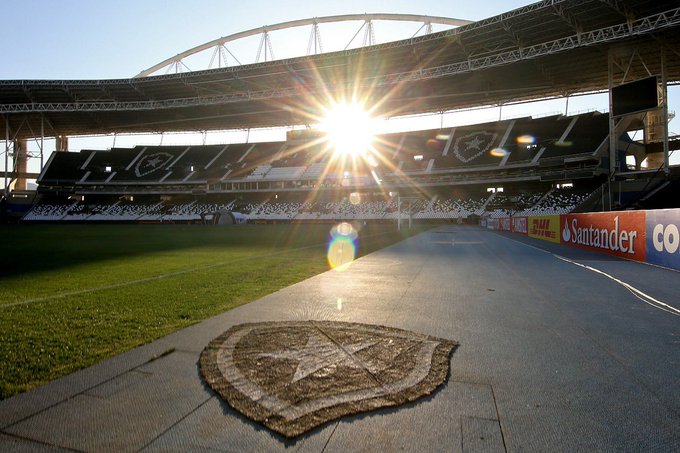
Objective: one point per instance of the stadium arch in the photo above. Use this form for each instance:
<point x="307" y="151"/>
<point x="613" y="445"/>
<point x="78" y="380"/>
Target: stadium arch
<point x="219" y="45"/>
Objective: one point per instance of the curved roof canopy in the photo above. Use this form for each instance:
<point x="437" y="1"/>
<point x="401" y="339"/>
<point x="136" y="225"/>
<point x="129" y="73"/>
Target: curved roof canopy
<point x="546" y="49"/>
<point x="314" y="21"/>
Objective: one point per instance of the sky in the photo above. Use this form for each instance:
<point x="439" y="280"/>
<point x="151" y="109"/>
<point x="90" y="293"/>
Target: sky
<point x="86" y="39"/>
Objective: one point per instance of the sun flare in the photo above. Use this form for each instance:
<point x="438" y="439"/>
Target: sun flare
<point x="349" y="129"/>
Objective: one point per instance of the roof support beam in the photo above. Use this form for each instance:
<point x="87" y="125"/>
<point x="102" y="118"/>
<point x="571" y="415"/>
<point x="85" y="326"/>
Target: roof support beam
<point x="620" y="8"/>
<point x="134" y="86"/>
<point x="569" y="18"/>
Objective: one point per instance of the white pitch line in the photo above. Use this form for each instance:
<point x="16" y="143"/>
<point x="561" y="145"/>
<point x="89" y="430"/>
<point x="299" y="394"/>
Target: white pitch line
<point x="162" y="276"/>
<point x="149" y="279"/>
<point x="646" y="298"/>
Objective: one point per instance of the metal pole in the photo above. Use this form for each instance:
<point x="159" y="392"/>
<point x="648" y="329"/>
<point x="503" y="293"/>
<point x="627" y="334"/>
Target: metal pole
<point x="399" y="213"/>
<point x="612" y="126"/>
<point x="664" y="96"/>
<point x="410" y="214"/>
<point x="42" y="140"/>
<point x="6" y="152"/>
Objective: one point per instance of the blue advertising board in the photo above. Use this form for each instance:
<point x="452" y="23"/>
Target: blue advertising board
<point x="663" y="237"/>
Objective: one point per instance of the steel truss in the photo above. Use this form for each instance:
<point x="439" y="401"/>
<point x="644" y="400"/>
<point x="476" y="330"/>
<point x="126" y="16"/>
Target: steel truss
<point x="265" y="42"/>
<point x="601" y="36"/>
<point x="629" y="29"/>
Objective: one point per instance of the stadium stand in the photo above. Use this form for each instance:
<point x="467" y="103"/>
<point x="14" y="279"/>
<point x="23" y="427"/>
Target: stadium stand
<point x="556" y="201"/>
<point x="48" y="212"/>
<point x="370" y="207"/>
<point x="188" y="183"/>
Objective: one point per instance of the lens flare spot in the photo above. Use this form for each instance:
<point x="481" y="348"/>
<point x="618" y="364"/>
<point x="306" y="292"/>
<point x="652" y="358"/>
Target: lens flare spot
<point x="345" y="229"/>
<point x="341" y="252"/>
<point x="563" y="143"/>
<point x="443" y="137"/>
<point x="434" y="144"/>
<point x="355" y="198"/>
<point x="339" y="303"/>
<point x="498" y="152"/>
<point x="342" y="246"/>
<point x="526" y="139"/>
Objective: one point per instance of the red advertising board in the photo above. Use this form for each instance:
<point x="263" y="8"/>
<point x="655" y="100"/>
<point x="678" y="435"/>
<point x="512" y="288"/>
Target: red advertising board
<point x="616" y="233"/>
<point x="520" y="225"/>
<point x="504" y="224"/>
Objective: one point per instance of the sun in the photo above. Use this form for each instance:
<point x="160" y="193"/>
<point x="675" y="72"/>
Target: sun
<point x="349" y="129"/>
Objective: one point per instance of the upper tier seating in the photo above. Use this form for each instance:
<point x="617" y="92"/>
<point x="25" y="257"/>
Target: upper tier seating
<point x="523" y="144"/>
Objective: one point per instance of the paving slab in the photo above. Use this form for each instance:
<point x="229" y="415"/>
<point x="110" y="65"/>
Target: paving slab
<point x="19" y="445"/>
<point x="123" y="414"/>
<point x="215" y="426"/>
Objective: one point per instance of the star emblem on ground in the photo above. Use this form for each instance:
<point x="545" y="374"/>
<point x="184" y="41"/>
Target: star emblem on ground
<point x="319" y="353"/>
<point x="294" y="376"/>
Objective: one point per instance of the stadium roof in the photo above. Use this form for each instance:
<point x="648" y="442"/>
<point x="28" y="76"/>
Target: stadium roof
<point x="546" y="49"/>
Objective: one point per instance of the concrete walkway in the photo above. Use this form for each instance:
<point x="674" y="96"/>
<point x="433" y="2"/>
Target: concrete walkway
<point x="552" y="357"/>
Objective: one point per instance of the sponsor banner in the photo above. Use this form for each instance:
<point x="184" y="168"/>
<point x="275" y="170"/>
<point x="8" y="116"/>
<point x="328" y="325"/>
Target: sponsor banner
<point x="519" y="225"/>
<point x="663" y="237"/>
<point x="545" y="227"/>
<point x="492" y="224"/>
<point x="504" y="224"/>
<point x="616" y="233"/>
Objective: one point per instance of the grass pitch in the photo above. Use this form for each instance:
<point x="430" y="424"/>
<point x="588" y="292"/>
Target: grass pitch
<point x="72" y="295"/>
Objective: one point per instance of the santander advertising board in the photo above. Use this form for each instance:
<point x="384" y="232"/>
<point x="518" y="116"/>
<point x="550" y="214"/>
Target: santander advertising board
<point x="616" y="233"/>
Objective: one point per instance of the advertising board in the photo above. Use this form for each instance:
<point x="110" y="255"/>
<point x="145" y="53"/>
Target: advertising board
<point x="615" y="233"/>
<point x="663" y="237"/>
<point x="504" y="224"/>
<point x="545" y="227"/>
<point x="492" y="224"/>
<point x="519" y="225"/>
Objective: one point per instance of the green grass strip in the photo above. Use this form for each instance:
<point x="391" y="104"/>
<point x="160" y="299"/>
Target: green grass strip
<point x="73" y="295"/>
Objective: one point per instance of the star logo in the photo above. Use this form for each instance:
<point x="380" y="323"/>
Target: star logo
<point x="321" y="353"/>
<point x="294" y="376"/>
<point x="473" y="145"/>
<point x="152" y="162"/>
